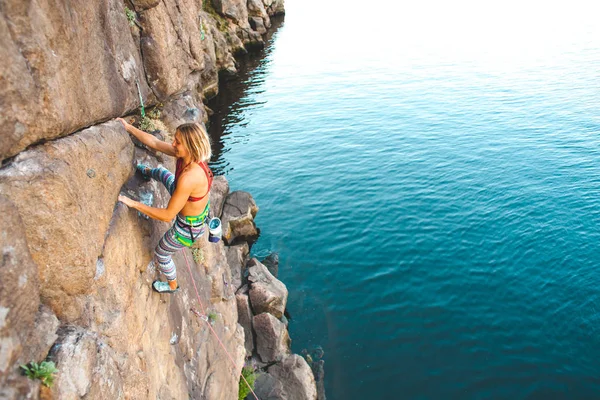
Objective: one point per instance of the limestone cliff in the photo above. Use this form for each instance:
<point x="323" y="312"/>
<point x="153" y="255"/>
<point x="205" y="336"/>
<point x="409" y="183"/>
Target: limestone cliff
<point x="75" y="270"/>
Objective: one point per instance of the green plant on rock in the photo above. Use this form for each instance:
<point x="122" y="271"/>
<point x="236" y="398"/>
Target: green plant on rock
<point x="212" y="317"/>
<point x="197" y="255"/>
<point x="146" y="124"/>
<point x="250" y="375"/>
<point x="155" y="113"/>
<point x="43" y="371"/>
<point x="130" y="16"/>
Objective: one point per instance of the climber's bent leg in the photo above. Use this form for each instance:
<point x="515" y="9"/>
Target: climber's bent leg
<point x="165" y="176"/>
<point x="160" y="174"/>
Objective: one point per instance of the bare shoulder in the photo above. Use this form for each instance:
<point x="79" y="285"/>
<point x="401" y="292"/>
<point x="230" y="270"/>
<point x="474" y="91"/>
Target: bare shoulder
<point x="193" y="176"/>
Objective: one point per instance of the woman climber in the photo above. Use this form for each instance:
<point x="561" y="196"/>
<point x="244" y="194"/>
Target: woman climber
<point x="189" y="189"/>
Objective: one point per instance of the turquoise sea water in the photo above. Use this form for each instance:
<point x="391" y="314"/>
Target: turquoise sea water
<point x="430" y="176"/>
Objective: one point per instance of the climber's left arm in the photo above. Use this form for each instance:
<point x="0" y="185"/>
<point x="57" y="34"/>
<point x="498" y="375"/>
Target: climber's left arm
<point x="176" y="204"/>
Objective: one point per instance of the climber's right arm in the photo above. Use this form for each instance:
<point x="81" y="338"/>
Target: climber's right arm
<point x="148" y="139"/>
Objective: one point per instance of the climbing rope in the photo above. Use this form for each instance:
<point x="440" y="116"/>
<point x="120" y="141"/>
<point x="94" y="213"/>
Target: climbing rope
<point x="205" y="318"/>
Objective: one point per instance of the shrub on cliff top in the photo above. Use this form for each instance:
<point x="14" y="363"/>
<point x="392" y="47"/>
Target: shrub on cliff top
<point x="248" y="373"/>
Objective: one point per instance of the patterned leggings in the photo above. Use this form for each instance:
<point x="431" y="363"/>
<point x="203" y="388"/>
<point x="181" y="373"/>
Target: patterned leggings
<point x="182" y="234"/>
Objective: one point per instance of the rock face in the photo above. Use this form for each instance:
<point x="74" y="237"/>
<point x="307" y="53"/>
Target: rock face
<point x="236" y="258"/>
<point x="171" y="42"/>
<point x="182" y="109"/>
<point x="141" y="5"/>
<point x="64" y="67"/>
<point x="258" y="17"/>
<point x="296" y="376"/>
<point x="289" y="379"/>
<point x="283" y="376"/>
<point x="274" y="7"/>
<point x="80" y="353"/>
<point x="245" y="320"/>
<point x="26" y="328"/>
<point x="65" y="192"/>
<point x="267" y="293"/>
<point x="238" y="215"/>
<point x="218" y="193"/>
<point x="237" y="10"/>
<point x="76" y="266"/>
<point x="272" y="338"/>
<point x="90" y="263"/>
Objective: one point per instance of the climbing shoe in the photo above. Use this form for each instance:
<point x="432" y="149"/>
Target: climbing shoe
<point x="144" y="170"/>
<point x="163" y="287"/>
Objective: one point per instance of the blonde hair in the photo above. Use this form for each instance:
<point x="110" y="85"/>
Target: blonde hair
<point x="196" y="141"/>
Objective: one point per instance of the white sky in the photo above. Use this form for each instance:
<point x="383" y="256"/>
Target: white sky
<point x="496" y="31"/>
